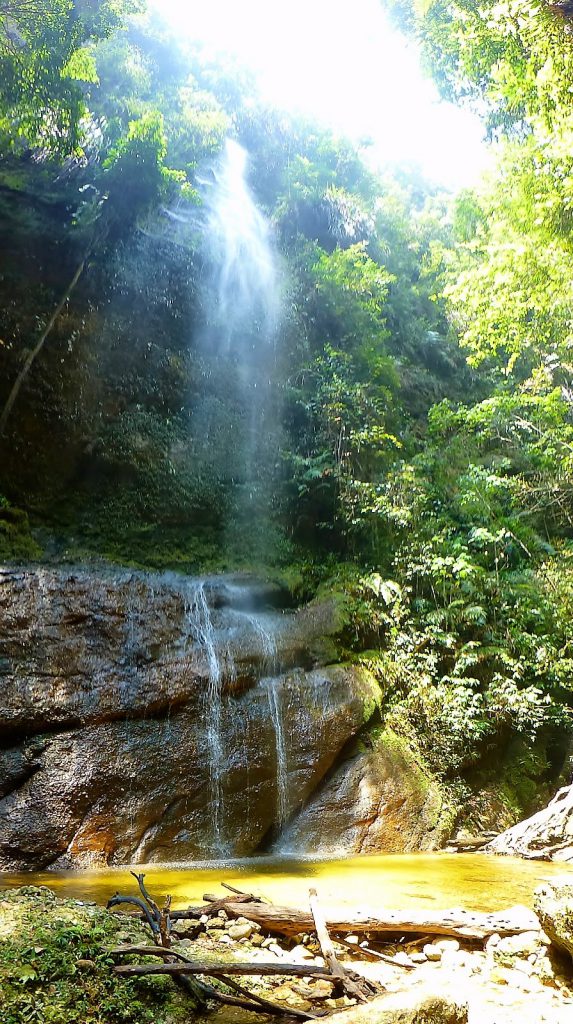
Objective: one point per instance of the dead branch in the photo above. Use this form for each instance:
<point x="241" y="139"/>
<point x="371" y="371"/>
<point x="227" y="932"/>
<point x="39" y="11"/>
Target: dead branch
<point x="216" y="970"/>
<point x="353" y="986"/>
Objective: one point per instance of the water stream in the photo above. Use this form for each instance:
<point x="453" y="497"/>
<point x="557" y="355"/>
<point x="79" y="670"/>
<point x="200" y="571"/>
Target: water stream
<point x="391" y="882"/>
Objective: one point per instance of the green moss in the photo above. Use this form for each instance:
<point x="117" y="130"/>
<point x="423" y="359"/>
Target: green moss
<point x="16" y="540"/>
<point x="55" y="965"/>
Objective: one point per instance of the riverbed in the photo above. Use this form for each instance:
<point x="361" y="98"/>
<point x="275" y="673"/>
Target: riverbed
<point x="395" y="882"/>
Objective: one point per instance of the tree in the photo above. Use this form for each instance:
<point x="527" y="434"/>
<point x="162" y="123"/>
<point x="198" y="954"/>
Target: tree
<point x="46" y="63"/>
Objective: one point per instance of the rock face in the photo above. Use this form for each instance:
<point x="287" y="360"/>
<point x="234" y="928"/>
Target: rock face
<point x="158" y="718"/>
<point x="554" y="908"/>
<point x="378" y="800"/>
<point x="547" y="835"/>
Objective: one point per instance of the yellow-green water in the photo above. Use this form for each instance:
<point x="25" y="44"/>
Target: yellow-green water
<point x="394" y="882"/>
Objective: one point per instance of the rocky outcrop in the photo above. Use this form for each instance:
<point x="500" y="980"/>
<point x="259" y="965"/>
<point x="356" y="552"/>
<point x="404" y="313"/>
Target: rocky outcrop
<point x="377" y="800"/>
<point x="554" y="907"/>
<point x="547" y="835"/>
<point x="158" y="718"/>
<point x="406" y="1008"/>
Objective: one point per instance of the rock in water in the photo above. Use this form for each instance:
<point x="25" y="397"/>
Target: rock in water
<point x="547" y="835"/>
<point x="554" y="907"/>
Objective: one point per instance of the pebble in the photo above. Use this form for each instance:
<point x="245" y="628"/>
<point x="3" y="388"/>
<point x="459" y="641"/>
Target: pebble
<point x="418" y="958"/>
<point x="433" y="952"/>
<point x="402" y="958"/>
<point x="240" y="930"/>
<point x="257" y="939"/>
<point x="215" y="924"/>
<point x="352" y="939"/>
<point x="301" y="953"/>
<point x="447" y="944"/>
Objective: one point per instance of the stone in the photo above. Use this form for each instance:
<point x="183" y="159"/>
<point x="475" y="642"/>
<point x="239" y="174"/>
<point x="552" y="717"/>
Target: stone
<point x="100" y="666"/>
<point x="240" y="931"/>
<point x="522" y="945"/>
<point x="402" y="958"/>
<point x="553" y="903"/>
<point x="454" y="959"/>
<point x="354" y="940"/>
<point x="215" y="924"/>
<point x="432" y="952"/>
<point x="191" y="928"/>
<point x="257" y="939"/>
<point x="447" y="944"/>
<point x="418" y="957"/>
<point x="379" y="800"/>
<point x="404" y="1008"/>
<point x="321" y="989"/>
<point x="300" y="953"/>
<point x="547" y="835"/>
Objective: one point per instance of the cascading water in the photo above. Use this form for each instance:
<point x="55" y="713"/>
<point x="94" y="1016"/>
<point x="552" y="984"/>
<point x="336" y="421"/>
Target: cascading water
<point x="201" y="630"/>
<point x="243" y="265"/>
<point x="236" y="422"/>
<point x="275" y="697"/>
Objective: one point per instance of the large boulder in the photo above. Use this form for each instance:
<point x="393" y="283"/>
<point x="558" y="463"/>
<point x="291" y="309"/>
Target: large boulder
<point x="157" y="718"/>
<point x="547" y="835"/>
<point x="379" y="799"/>
<point x="406" y="1008"/>
<point x="553" y="905"/>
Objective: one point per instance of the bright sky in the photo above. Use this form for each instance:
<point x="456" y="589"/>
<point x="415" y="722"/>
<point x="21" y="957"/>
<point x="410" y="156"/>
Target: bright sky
<point x="342" y="64"/>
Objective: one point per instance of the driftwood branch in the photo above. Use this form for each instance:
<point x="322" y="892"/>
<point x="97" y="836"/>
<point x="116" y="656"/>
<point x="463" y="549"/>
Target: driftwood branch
<point x="217" y="970"/>
<point x="213" y="993"/>
<point x="354" y="987"/>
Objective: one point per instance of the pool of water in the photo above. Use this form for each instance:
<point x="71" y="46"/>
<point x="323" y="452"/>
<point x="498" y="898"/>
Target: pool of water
<point x="394" y="882"/>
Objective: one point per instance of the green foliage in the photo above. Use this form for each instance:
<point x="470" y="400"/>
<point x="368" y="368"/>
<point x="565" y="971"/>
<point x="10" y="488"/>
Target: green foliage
<point x="55" y="966"/>
<point x="16" y="541"/>
<point x="44" y="64"/>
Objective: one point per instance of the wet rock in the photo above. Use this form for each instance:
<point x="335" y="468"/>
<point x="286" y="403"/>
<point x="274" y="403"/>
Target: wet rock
<point x="553" y="903"/>
<point x="103" y="680"/>
<point x="379" y="800"/>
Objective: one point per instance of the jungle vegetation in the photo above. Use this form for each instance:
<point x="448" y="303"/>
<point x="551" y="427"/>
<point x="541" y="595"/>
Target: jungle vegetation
<point x="424" y="369"/>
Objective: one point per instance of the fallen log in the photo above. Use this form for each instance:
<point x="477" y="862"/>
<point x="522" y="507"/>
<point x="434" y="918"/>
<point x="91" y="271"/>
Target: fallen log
<point x="459" y="924"/>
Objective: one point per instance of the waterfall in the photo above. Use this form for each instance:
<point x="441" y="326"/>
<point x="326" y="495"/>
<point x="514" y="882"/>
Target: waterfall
<point x="243" y="266"/>
<point x="235" y="415"/>
<point x="201" y="630"/>
<point x="275" y="705"/>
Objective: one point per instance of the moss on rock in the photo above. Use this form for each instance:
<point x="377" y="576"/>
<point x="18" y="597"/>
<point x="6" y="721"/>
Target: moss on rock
<point x="56" y="968"/>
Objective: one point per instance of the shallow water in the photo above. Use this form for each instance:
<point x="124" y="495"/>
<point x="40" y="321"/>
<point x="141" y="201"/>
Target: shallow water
<point x="394" y="882"/>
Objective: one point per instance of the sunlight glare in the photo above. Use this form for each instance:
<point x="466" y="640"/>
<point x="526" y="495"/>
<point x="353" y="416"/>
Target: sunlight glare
<point x="346" y="67"/>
